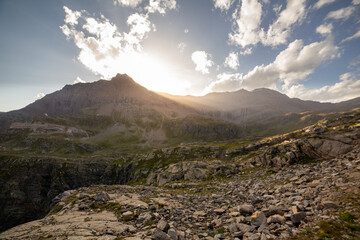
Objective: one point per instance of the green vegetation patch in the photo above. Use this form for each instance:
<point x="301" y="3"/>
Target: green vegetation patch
<point x="108" y="206"/>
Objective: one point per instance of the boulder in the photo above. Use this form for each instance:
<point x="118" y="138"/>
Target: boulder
<point x="258" y="218"/>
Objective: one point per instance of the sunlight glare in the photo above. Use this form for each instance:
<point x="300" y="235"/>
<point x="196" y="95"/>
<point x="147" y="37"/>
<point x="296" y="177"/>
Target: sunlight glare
<point x="146" y="70"/>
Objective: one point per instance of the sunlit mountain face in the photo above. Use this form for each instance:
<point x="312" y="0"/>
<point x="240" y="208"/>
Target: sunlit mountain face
<point x="305" y="49"/>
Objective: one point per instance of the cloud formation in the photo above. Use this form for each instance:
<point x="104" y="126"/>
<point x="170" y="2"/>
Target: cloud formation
<point x="160" y="6"/>
<point x="107" y="51"/>
<point x="71" y="17"/>
<point x="202" y="61"/>
<point x="324" y="29"/>
<point x="248" y="21"/>
<point x="347" y="88"/>
<point x="247" y="51"/>
<point x="79" y="80"/>
<point x="319" y="4"/>
<point x="232" y="61"/>
<point x="226" y="82"/>
<point x="290" y="66"/>
<point x="223" y="5"/>
<point x="280" y="30"/>
<point x="128" y="3"/>
<point x="247" y="24"/>
<point x="103" y="49"/>
<point x="343" y="13"/>
<point x="354" y="36"/>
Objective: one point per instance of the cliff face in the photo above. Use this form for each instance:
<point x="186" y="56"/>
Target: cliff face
<point x="29" y="184"/>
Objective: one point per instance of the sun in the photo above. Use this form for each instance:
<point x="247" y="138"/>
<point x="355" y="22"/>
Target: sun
<point x="148" y="71"/>
<point x="156" y="75"/>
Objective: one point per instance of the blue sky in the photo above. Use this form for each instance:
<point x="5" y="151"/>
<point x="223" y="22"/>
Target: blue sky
<point x="305" y="49"/>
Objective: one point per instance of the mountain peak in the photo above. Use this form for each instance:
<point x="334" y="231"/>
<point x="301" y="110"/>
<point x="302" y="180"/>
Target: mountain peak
<point x="122" y="77"/>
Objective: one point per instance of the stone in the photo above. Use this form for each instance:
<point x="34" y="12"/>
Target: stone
<point x="234" y="214"/>
<point x="128" y="213"/>
<point x="251" y="236"/>
<point x="163" y="225"/>
<point x="258" y="218"/>
<point x="294" y="209"/>
<point x="329" y="204"/>
<point x="219" y="236"/>
<point x="233" y="228"/>
<point x="219" y="211"/>
<point x="276" y="219"/>
<point x="199" y="213"/>
<point x="195" y="174"/>
<point x="159" y="235"/>
<point x="272" y="210"/>
<point x="298" y="217"/>
<point x="245" y="228"/>
<point x="145" y="217"/>
<point x="172" y="234"/>
<point x="102" y="197"/>
<point x="246" y="209"/>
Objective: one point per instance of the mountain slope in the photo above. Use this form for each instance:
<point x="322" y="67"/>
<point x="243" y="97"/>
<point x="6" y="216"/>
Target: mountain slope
<point x="120" y="95"/>
<point x="258" y="105"/>
<point x="113" y="115"/>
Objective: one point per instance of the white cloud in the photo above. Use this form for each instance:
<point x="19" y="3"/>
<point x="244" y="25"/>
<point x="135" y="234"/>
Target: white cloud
<point x="277" y="8"/>
<point x="71" y="17"/>
<point x="225" y="82"/>
<point x="202" y="61"/>
<point x="103" y="44"/>
<point x="181" y="46"/>
<point x="343" y="13"/>
<point x="79" y="80"/>
<point x="280" y="30"/>
<point x="324" y="29"/>
<point x="292" y="65"/>
<point x="40" y="95"/>
<point x="140" y="26"/>
<point x="356" y="35"/>
<point x="298" y="61"/>
<point x="347" y="88"/>
<point x="322" y="3"/>
<point x="128" y="3"/>
<point x="232" y="61"/>
<point x="355" y="62"/>
<point x="247" y="51"/>
<point x="160" y="6"/>
<point x="107" y="51"/>
<point x="248" y="20"/>
<point x="223" y="5"/>
<point x="356" y="2"/>
<point x="247" y="24"/>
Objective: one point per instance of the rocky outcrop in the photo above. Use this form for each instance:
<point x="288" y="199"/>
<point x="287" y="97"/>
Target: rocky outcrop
<point x="28" y="184"/>
<point x="244" y="206"/>
<point x="191" y="171"/>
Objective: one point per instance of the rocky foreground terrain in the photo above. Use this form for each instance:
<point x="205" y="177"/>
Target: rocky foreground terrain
<point x="301" y="185"/>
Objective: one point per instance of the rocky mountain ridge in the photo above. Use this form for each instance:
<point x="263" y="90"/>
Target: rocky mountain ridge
<point x="122" y="97"/>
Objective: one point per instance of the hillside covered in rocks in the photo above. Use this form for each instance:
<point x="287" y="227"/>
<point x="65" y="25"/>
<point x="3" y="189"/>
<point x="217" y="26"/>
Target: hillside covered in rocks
<point x="300" y="185"/>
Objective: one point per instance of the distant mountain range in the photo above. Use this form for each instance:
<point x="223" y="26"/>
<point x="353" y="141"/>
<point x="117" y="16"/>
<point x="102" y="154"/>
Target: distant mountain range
<point x="123" y="98"/>
<point x="257" y="105"/>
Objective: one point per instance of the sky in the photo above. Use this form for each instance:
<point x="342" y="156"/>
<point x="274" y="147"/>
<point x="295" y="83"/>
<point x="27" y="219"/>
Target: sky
<point x="309" y="49"/>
